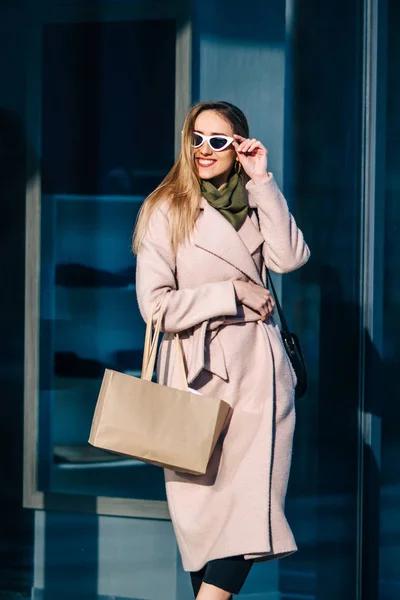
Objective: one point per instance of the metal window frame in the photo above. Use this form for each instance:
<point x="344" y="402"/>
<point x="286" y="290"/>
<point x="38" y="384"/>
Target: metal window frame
<point x="372" y="225"/>
<point x="178" y="10"/>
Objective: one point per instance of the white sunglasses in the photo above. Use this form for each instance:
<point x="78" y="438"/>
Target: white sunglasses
<point x="216" y="142"/>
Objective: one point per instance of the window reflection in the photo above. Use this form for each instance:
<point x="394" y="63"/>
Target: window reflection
<point x="107" y="141"/>
<point x="389" y="542"/>
<point x="324" y="299"/>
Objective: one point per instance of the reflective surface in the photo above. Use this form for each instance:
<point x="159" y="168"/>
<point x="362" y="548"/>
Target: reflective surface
<point x="98" y="160"/>
<point x="107" y="141"/>
<point x="389" y="535"/>
<point x="323" y="170"/>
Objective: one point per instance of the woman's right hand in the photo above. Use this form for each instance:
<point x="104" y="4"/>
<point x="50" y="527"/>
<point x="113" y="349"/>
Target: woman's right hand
<point x="255" y="297"/>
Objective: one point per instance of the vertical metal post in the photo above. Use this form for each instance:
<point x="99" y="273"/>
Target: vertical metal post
<point x="371" y="294"/>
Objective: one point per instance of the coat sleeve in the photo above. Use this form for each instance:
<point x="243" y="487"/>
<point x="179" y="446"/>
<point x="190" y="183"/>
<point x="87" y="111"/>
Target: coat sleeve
<point x="284" y="249"/>
<point x="155" y="275"/>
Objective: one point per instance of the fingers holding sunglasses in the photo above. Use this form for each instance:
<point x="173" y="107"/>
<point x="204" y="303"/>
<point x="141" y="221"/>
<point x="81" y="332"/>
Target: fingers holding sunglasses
<point x="243" y="146"/>
<point x="257" y="148"/>
<point x="239" y="138"/>
<point x="248" y="146"/>
<point x="239" y="142"/>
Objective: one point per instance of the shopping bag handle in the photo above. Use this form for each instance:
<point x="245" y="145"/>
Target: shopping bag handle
<point x="149" y="350"/>
<point x="151" y="343"/>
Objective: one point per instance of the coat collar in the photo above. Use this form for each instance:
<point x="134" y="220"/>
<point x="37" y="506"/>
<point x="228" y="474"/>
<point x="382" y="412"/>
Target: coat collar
<point x="215" y="234"/>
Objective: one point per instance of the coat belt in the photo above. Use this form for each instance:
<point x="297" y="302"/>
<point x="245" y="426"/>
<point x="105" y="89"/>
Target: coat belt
<point x="203" y="348"/>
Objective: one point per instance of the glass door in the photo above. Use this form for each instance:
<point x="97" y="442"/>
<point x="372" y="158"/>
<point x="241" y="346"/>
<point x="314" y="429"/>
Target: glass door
<point x="104" y="107"/>
<point x="107" y="141"/>
<point x="388" y="393"/>
<point x="323" y="170"/>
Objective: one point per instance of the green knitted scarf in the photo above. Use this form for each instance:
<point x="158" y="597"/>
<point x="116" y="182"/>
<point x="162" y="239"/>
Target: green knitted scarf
<point x="230" y="201"/>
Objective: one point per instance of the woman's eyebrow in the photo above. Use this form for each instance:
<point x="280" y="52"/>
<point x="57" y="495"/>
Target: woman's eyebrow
<point x="214" y="132"/>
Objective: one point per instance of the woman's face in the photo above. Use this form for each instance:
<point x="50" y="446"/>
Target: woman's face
<point x="213" y="166"/>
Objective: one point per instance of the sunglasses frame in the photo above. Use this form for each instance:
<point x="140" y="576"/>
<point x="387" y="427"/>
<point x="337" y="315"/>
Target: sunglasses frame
<point x="207" y="138"/>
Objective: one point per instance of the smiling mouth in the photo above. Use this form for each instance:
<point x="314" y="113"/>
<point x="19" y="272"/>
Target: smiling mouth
<point x="206" y="162"/>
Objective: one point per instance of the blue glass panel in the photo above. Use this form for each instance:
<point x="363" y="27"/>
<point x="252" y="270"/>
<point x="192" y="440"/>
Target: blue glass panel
<point x="108" y="98"/>
<point x="322" y="299"/>
<point x="388" y="389"/>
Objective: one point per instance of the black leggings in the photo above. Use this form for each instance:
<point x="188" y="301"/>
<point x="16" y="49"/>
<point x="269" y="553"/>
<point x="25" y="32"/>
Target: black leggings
<point x="228" y="574"/>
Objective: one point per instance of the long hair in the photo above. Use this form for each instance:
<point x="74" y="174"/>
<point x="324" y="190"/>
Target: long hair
<point x="181" y="187"/>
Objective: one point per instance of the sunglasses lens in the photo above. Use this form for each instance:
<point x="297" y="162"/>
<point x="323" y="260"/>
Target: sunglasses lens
<point x="197" y="140"/>
<point x="218" y="143"/>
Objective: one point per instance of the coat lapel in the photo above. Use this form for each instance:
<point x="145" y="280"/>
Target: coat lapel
<point x="250" y="234"/>
<point x="215" y="234"/>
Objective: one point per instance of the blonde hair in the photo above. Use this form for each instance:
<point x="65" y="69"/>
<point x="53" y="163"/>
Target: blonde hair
<point x="181" y="187"/>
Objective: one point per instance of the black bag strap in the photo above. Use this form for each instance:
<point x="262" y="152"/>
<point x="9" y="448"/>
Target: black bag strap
<point x="270" y="284"/>
<point x="284" y="325"/>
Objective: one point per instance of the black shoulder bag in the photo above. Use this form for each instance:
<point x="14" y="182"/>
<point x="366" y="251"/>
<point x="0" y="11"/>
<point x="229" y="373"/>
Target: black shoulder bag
<point x="292" y="345"/>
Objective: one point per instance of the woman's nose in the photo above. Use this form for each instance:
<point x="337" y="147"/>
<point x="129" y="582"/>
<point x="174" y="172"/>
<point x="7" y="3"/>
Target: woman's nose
<point x="206" y="150"/>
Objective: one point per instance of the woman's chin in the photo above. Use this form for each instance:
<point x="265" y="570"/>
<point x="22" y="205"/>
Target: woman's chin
<point x="214" y="176"/>
<point x="206" y="174"/>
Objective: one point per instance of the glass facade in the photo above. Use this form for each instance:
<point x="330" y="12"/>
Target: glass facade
<point x="323" y="182"/>
<point x="90" y="122"/>
<point x="100" y="159"/>
<point x="389" y="497"/>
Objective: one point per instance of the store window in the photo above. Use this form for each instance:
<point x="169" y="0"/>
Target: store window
<point x="388" y="393"/>
<point x="107" y="140"/>
<point x="322" y="182"/>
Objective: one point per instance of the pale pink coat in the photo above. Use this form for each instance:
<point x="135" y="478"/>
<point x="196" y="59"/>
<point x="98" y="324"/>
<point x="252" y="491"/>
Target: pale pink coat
<point x="238" y="506"/>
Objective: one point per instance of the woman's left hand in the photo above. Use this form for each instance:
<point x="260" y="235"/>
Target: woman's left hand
<point x="252" y="155"/>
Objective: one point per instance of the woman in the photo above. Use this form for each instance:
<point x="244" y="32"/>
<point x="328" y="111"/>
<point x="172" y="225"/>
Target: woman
<point x="204" y="236"/>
